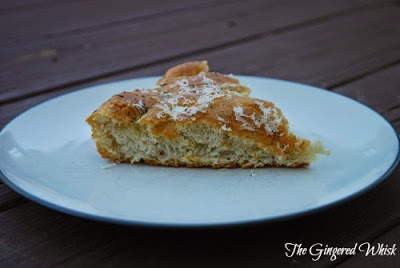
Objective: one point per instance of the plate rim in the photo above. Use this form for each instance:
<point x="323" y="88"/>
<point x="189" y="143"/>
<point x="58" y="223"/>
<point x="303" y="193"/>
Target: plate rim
<point x="143" y="223"/>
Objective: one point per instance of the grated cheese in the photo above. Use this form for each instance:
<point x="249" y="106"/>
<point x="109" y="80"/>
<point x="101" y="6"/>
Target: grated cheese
<point x="220" y="119"/>
<point x="283" y="149"/>
<point x="297" y="145"/>
<point x="198" y="96"/>
<point x="139" y="105"/>
<point x="239" y="117"/>
<point x="107" y="166"/>
<point x="189" y="99"/>
<point x="270" y="119"/>
<point x="224" y="127"/>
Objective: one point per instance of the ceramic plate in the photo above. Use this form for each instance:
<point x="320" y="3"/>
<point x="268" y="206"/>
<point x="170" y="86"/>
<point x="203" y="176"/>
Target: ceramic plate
<point x="48" y="156"/>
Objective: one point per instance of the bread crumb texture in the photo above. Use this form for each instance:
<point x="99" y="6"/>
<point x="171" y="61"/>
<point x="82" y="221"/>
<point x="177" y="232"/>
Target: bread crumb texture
<point x="197" y="118"/>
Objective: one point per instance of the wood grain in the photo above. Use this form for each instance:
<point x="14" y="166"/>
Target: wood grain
<point x="16" y="6"/>
<point x="380" y="91"/>
<point x="59" y="17"/>
<point x="350" y="47"/>
<point x="91" y="55"/>
<point x="307" y="55"/>
<point x="9" y="198"/>
<point x="392" y="236"/>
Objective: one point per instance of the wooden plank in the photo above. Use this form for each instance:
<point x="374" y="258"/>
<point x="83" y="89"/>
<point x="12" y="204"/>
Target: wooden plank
<point x="30" y="230"/>
<point x="380" y="91"/>
<point x="32" y="24"/>
<point x="36" y="67"/>
<point x="295" y="55"/>
<point x="9" y="198"/>
<point x="35" y="236"/>
<point x="324" y="54"/>
<point x="15" y="6"/>
<point x="392" y="236"/>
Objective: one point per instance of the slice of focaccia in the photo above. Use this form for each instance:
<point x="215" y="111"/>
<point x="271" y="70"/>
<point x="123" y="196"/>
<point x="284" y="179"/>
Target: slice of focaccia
<point x="197" y="118"/>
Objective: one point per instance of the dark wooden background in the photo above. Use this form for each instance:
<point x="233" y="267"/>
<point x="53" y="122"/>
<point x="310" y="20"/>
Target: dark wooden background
<point x="49" y="47"/>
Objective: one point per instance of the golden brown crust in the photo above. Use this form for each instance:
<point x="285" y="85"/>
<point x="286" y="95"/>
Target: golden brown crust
<point x="185" y="69"/>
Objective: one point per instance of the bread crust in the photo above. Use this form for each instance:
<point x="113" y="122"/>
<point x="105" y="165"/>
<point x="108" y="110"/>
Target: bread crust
<point x="216" y="166"/>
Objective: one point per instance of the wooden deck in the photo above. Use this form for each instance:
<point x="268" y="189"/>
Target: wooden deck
<point x="51" y="47"/>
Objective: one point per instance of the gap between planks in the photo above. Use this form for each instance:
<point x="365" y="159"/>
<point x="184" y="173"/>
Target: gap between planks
<point x="365" y="74"/>
<point x="145" y="17"/>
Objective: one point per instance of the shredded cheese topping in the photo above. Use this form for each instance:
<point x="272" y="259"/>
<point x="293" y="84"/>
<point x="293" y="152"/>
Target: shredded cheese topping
<point x="238" y="110"/>
<point x="224" y="127"/>
<point x="199" y="96"/>
<point x="282" y="148"/>
<point x="139" y="105"/>
<point x="188" y="99"/>
<point x="271" y="118"/>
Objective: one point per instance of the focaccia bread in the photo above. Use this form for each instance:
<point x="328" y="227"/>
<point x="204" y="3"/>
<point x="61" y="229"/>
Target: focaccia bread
<point x="197" y="118"/>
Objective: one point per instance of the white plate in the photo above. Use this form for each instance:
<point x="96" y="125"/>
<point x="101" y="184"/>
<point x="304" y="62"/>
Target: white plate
<point x="48" y="156"/>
